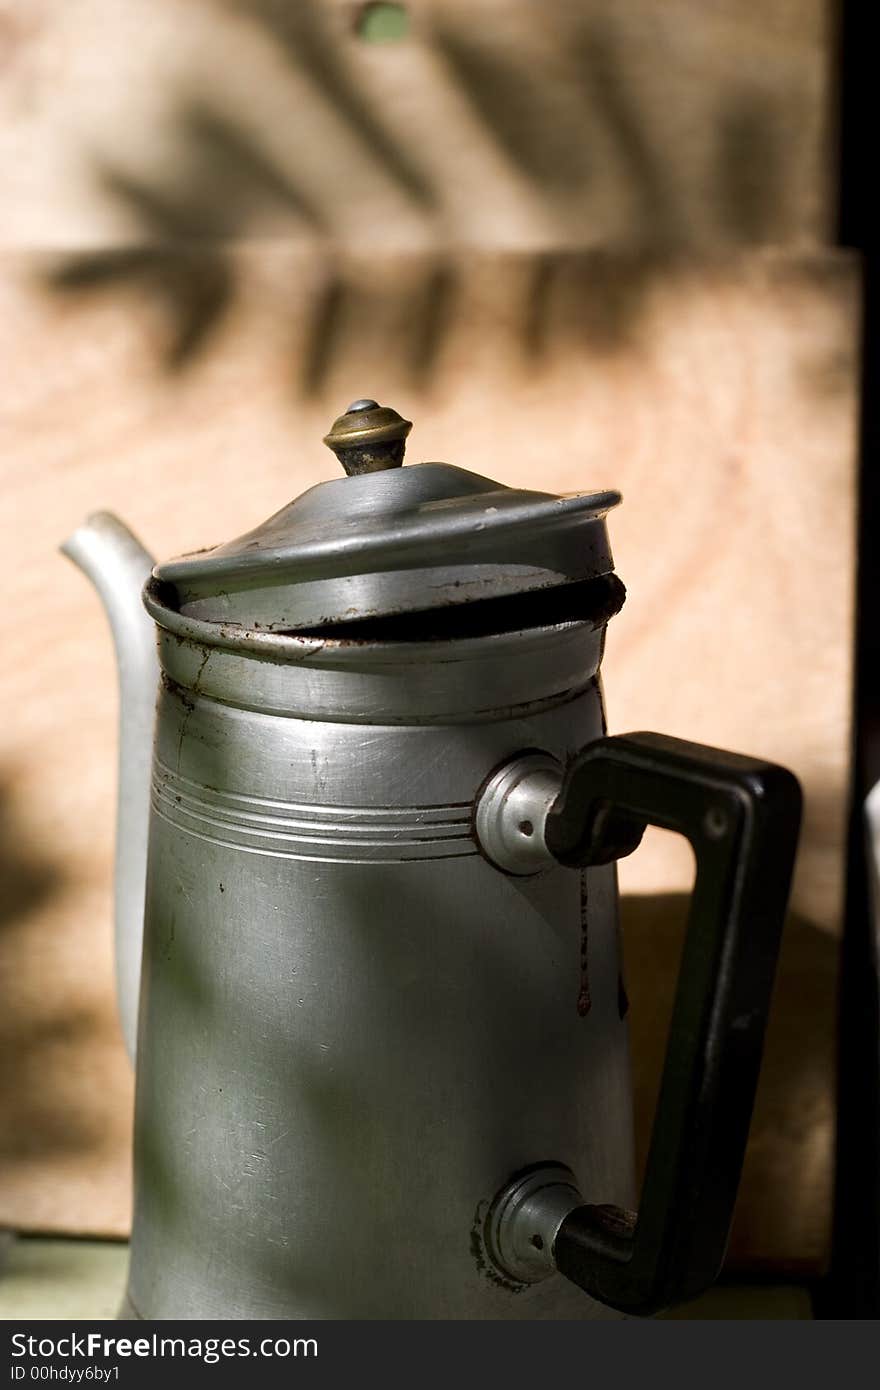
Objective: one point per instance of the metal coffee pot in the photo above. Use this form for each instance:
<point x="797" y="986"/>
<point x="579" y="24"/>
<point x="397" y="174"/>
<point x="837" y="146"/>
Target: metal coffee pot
<point x="382" y="1062"/>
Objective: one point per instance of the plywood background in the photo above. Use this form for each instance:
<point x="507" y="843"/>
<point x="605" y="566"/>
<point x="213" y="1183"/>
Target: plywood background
<point x="691" y="123"/>
<point x="192" y="289"/>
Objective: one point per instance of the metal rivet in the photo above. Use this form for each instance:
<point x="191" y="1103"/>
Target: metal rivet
<point x="715" y="823"/>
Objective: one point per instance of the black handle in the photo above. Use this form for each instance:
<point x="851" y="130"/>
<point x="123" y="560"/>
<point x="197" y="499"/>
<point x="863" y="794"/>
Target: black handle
<point x="742" y="818"/>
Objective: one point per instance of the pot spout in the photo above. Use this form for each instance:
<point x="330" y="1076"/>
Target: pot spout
<point x="118" y="566"/>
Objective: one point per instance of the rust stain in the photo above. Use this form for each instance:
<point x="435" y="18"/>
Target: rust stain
<point x="201" y="671"/>
<point x="168" y="944"/>
<point x="485" y="1265"/>
<point x="187" y="699"/>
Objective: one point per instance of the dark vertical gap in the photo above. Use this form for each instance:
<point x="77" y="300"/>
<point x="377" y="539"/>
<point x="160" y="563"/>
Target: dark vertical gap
<point x="853" y="1287"/>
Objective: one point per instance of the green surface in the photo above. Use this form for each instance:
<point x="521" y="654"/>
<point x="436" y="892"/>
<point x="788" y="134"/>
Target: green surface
<point x="383" y="23"/>
<point x="77" y="1280"/>
<point x="71" y="1280"/>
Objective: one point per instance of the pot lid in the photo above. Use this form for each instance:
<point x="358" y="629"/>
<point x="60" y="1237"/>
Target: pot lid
<point x="389" y="540"/>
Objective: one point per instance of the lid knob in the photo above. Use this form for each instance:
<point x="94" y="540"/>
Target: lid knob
<point x="368" y="437"/>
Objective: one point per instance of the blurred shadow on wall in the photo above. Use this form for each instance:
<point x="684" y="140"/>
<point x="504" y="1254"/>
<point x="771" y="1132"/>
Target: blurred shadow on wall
<point x="28" y="875"/>
<point x="599" y="141"/>
<point x="221" y="180"/>
<point x="37" y="1115"/>
<point x="789" y="1160"/>
<point x="309" y="38"/>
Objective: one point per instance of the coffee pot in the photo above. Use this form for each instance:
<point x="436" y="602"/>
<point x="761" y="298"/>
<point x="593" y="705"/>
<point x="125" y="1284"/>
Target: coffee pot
<point x="366" y="897"/>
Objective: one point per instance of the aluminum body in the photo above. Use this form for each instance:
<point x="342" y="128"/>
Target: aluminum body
<point x="353" y="1027"/>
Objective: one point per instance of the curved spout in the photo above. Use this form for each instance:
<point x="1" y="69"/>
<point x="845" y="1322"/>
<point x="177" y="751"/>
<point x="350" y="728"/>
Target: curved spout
<point x="118" y="566"/>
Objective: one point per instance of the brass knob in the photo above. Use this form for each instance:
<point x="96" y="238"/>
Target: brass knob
<point x="368" y="437"/>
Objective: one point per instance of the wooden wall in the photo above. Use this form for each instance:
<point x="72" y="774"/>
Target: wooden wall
<point x="221" y="228"/>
